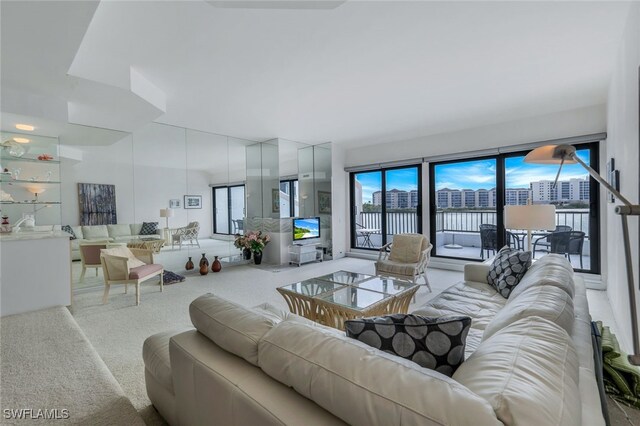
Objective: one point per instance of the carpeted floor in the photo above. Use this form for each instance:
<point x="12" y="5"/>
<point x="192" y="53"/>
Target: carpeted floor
<point x="118" y="329"/>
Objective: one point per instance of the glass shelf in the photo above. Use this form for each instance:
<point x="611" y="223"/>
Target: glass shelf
<point x="27" y="160"/>
<point x="29" y="202"/>
<point x="10" y="181"/>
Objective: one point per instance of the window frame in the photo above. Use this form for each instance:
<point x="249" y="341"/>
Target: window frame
<point x="383" y="213"/>
<point x="215" y="206"/>
<point x="594" y="202"/>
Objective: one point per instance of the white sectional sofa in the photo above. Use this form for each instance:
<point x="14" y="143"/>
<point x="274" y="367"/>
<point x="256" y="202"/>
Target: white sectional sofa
<point x="529" y="361"/>
<point x="114" y="233"/>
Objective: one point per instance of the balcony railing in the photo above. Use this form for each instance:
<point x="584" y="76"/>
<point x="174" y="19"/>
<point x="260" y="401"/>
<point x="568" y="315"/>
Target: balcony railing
<point x="463" y="220"/>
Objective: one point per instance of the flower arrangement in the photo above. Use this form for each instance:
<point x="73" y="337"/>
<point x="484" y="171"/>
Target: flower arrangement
<point x="252" y="240"/>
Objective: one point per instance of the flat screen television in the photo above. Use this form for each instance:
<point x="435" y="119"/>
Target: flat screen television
<point x="306" y="228"/>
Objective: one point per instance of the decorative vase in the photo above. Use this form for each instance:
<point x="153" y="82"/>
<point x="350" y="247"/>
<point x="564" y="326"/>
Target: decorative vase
<point x="216" y="266"/>
<point x="189" y="265"/>
<point x="204" y="269"/>
<point x="246" y="253"/>
<point x="204" y="261"/>
<point x="257" y="257"/>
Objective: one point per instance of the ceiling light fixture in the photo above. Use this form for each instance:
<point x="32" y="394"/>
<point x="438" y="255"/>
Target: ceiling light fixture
<point x="21" y="140"/>
<point x="27" y="127"/>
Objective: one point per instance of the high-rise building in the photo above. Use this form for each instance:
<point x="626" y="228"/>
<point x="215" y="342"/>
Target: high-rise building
<point x="571" y="190"/>
<point x="397" y="199"/>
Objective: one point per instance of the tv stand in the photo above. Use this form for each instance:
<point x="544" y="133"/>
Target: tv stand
<point x="300" y="254"/>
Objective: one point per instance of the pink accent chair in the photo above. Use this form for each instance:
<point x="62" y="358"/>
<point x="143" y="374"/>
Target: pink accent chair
<point x="90" y="256"/>
<point x="122" y="265"/>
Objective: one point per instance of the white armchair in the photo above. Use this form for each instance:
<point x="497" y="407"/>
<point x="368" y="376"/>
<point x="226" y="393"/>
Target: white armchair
<point x="186" y="233"/>
<point x="405" y="258"/>
<point x="122" y="265"/>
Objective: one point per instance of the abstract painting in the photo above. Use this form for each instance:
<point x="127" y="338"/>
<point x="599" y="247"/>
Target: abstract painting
<point x="97" y="204"/>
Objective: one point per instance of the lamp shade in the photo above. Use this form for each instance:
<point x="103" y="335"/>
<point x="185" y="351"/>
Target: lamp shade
<point x="551" y="154"/>
<point x="166" y="212"/>
<point x="530" y="216"/>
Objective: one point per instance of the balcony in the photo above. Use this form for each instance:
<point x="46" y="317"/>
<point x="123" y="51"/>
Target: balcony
<point x="457" y="232"/>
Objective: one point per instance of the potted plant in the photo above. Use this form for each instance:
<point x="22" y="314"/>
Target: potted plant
<point x="241" y="243"/>
<point x="256" y="242"/>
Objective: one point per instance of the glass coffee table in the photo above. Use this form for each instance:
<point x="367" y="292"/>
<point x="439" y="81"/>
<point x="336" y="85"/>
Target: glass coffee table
<point x="334" y="298"/>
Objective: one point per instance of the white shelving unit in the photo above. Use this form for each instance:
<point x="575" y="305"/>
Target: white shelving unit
<point x="300" y="254"/>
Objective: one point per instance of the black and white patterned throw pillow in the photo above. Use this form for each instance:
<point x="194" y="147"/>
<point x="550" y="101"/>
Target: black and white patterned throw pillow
<point x="69" y="230"/>
<point x="507" y="269"/>
<point x="149" y="228"/>
<point x="435" y="343"/>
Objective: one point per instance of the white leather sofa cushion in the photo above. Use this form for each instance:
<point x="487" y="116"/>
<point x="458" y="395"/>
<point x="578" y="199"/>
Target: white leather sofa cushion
<point x="547" y="302"/>
<point x="365" y="386"/>
<point x="78" y="231"/>
<point x="95" y="232"/>
<point x="119" y="231"/>
<point x="476" y="272"/>
<point x="477" y="300"/>
<point x="528" y="371"/>
<point x="233" y="327"/>
<point x="552" y="274"/>
<point x="135" y="228"/>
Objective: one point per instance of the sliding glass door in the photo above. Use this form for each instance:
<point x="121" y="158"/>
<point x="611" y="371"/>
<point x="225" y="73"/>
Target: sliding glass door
<point x="228" y="209"/>
<point x="468" y="199"/>
<point x="384" y="203"/>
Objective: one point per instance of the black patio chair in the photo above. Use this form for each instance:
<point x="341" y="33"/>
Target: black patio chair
<point x="543" y="243"/>
<point x="489" y="239"/>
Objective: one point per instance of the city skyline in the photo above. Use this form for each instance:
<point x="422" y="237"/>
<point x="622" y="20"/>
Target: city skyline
<point x="474" y="175"/>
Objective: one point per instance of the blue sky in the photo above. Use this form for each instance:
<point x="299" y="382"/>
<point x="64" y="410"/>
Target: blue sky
<point x="480" y="174"/>
<point x="471" y="175"/>
<point x="402" y="179"/>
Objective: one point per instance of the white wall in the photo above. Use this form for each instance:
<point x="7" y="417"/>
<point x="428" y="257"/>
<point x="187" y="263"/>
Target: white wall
<point x="112" y="165"/>
<point x="551" y="126"/>
<point x="622" y="144"/>
<point x="339" y="198"/>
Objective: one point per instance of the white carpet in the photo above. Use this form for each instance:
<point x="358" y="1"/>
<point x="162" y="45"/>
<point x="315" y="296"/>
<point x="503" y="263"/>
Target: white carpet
<point x="118" y="329"/>
<point x="48" y="364"/>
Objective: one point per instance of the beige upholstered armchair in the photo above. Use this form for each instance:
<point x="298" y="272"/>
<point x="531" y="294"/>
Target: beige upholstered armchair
<point x="186" y="233"/>
<point x="405" y="258"/>
<point x="122" y="265"/>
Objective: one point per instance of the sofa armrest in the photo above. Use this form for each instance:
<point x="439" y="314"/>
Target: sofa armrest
<point x="476" y="272"/>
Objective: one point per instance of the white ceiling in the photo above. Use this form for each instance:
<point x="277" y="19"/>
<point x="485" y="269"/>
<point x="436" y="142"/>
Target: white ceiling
<point x="363" y="72"/>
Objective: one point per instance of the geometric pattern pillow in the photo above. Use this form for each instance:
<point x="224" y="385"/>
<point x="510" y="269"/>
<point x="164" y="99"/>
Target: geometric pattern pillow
<point x="149" y="228"/>
<point x="69" y="230"/>
<point x="437" y="343"/>
<point x="507" y="269"/>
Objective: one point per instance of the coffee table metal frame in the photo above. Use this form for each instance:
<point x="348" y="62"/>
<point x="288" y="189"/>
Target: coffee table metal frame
<point x="316" y="308"/>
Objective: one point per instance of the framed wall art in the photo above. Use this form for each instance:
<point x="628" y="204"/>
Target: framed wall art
<point x="193" y="201"/>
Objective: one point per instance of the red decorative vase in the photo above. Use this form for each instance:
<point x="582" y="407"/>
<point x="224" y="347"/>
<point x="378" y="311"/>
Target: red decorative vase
<point x="216" y="266"/>
<point x="189" y="265"/>
<point x="204" y="269"/>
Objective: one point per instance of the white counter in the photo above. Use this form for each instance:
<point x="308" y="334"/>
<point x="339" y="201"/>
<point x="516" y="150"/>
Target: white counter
<point x="35" y="271"/>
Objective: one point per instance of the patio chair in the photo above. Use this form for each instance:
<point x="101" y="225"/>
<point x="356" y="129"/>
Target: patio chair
<point x="365" y="233"/>
<point x="544" y="243"/>
<point x="90" y="256"/>
<point x="567" y="243"/>
<point x="238" y="226"/>
<point x="122" y="265"/>
<point x="489" y="239"/>
<point x="405" y="258"/>
<point x="186" y="233"/>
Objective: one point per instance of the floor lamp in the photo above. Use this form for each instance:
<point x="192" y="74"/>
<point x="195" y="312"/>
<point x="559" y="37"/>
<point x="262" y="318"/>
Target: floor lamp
<point x="561" y="154"/>
<point x="530" y="217"/>
<point x="166" y="213"/>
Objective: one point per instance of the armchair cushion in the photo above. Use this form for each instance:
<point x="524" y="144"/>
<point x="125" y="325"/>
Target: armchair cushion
<point x="123" y="251"/>
<point x="149" y="228"/>
<point x="407" y="248"/>
<point x="143" y="271"/>
<point x="397" y="268"/>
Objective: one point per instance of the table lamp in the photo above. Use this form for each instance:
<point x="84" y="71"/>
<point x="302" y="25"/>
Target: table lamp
<point x="530" y="217"/>
<point x="166" y="213"/>
<point x="561" y="154"/>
